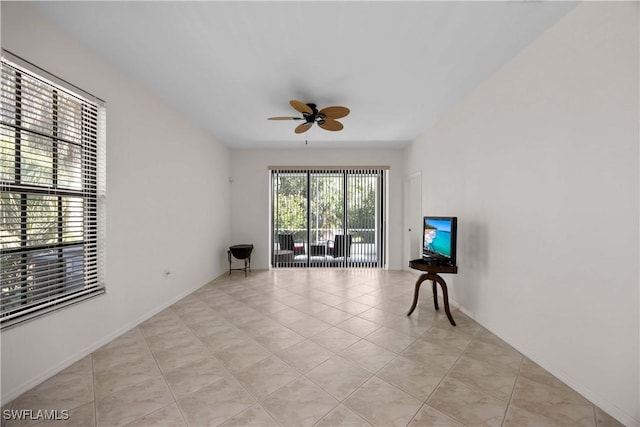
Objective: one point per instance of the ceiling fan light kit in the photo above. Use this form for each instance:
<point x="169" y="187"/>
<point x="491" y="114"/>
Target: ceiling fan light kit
<point x="325" y="118"/>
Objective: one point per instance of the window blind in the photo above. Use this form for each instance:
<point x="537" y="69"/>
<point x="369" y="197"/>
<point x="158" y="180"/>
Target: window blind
<point x="52" y="193"/>
<point x="327" y="217"/>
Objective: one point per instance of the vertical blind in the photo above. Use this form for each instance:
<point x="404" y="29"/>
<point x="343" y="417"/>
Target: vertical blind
<point x="327" y="217"/>
<point x="52" y="191"/>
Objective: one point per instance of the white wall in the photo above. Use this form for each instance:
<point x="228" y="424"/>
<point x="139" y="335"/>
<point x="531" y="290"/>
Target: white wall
<point x="540" y="164"/>
<point x="251" y="185"/>
<point x="168" y="192"/>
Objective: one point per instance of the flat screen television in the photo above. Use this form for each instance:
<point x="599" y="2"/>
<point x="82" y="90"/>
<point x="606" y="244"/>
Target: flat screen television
<point x="439" y="239"/>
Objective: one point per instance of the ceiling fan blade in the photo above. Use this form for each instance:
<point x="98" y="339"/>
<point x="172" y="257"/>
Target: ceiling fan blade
<point x="335" y="112"/>
<point x="301" y="106"/>
<point x="330" y="124"/>
<point x="285" y="118"/>
<point x="303" y="127"/>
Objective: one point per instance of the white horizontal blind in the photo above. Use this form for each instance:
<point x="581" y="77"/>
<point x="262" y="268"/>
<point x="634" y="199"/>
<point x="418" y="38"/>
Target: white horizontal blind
<point x="52" y="191"/>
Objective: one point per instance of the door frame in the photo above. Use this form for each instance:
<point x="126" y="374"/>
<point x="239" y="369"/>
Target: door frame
<point x="379" y="220"/>
<point x="412" y="209"/>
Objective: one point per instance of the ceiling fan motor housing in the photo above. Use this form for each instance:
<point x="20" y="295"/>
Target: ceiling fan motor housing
<point x="315" y="116"/>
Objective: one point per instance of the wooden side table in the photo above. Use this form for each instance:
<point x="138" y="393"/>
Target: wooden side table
<point x="432" y="273"/>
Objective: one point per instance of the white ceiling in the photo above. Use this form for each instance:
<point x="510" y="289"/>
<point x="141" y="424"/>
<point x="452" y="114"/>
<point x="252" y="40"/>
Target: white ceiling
<point x="398" y="66"/>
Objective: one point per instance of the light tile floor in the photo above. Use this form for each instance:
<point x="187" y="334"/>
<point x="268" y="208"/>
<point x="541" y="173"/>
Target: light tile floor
<point x="308" y="348"/>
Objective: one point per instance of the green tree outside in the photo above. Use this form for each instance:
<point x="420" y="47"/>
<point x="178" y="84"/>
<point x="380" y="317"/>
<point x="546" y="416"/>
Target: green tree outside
<point x="326" y="200"/>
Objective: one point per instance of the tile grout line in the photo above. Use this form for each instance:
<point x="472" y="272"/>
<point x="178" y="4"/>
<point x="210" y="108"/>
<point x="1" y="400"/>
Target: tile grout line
<point x="229" y="372"/>
<point x="162" y="373"/>
<point x="303" y="374"/>
<point x="445" y="377"/>
<point x="372" y="375"/>
<point x="257" y="400"/>
<point x="513" y="390"/>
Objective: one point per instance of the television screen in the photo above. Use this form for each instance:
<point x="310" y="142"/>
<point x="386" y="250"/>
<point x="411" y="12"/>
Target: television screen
<point x="439" y="238"/>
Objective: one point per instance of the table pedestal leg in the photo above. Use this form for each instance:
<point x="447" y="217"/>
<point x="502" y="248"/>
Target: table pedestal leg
<point x="445" y="294"/>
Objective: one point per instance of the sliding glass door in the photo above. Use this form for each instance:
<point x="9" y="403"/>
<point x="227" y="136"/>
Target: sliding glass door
<point x="327" y="218"/>
<point x="326" y="215"/>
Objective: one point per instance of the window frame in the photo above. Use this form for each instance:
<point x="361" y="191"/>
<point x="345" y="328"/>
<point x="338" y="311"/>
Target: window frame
<point x="38" y="275"/>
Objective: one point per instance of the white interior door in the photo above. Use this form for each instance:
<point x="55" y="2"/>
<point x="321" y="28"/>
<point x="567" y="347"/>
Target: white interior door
<point x="412" y="218"/>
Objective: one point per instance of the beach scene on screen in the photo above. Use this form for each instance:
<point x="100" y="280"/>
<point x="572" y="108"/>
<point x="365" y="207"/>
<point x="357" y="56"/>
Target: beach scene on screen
<point x="437" y="236"/>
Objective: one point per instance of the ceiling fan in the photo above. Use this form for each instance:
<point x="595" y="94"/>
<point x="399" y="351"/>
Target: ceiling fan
<point x="325" y="118"/>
